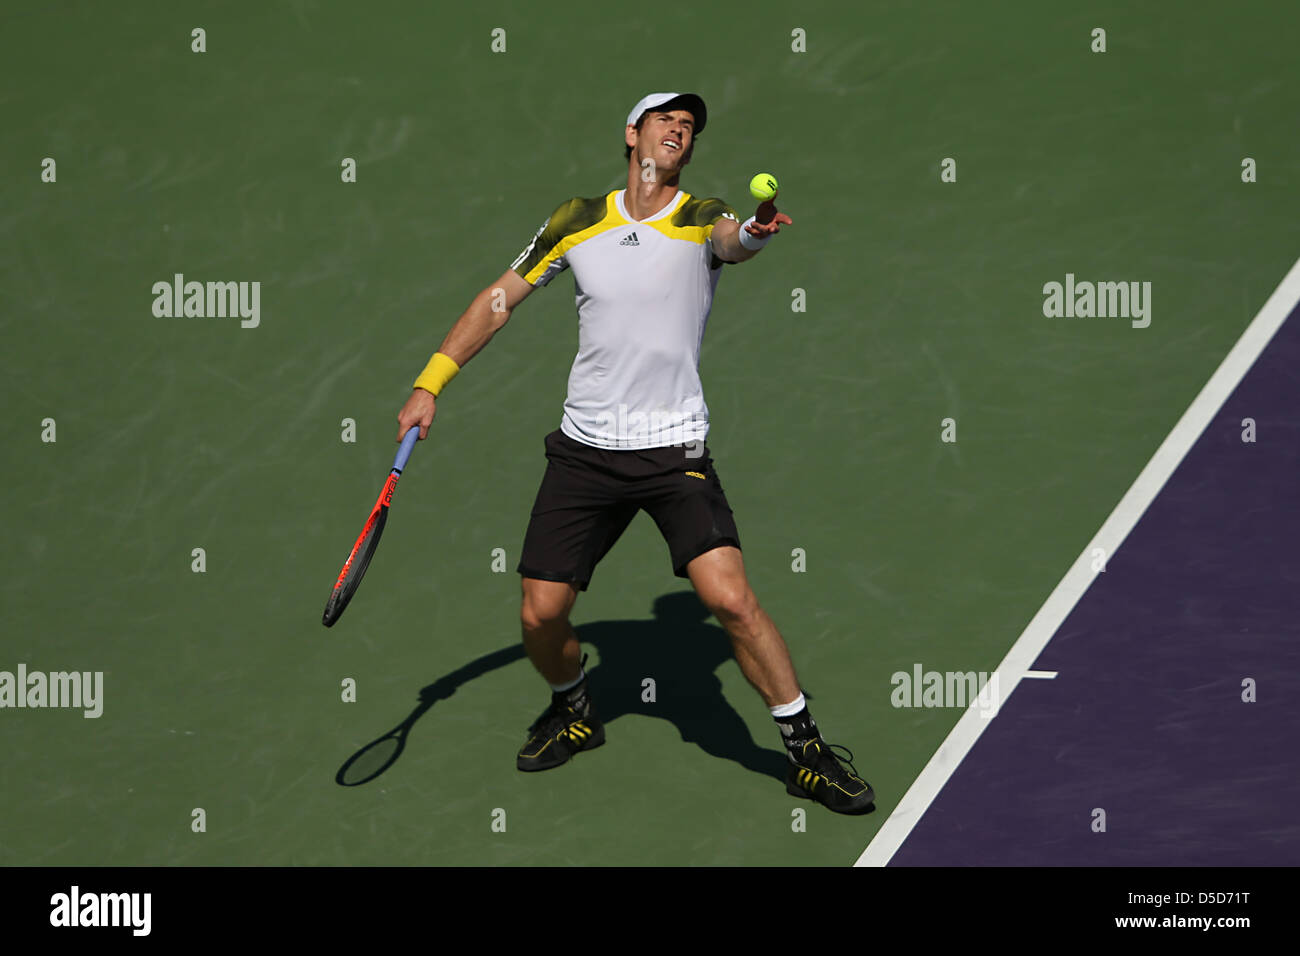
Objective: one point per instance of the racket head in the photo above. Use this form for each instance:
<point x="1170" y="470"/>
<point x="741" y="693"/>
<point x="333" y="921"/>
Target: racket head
<point x="355" y="567"/>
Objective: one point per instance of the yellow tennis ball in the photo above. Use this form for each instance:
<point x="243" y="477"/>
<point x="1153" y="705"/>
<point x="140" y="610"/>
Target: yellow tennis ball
<point x="763" y="186"/>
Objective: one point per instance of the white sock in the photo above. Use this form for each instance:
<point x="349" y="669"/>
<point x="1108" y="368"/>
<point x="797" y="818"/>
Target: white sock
<point x="790" y="709"/>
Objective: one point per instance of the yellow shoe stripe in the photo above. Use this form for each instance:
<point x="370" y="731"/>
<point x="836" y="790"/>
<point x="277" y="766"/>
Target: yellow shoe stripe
<point x="807" y="779"/>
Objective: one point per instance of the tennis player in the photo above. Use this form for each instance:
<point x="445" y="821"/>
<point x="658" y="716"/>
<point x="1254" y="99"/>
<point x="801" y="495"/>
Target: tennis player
<point x="646" y="261"/>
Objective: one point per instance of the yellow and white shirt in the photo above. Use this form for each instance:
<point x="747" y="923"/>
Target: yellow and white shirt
<point x="643" y="290"/>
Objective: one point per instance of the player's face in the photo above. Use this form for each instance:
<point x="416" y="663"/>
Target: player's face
<point x="667" y="138"/>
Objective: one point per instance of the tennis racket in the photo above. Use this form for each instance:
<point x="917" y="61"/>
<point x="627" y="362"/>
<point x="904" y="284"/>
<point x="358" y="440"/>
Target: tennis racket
<point x="355" y="566"/>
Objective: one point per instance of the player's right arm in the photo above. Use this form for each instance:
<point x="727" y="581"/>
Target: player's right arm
<point x="486" y="315"/>
<point x="542" y="259"/>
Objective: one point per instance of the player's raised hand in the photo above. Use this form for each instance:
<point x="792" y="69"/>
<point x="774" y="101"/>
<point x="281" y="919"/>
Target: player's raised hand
<point x="767" y="221"/>
<point x="418" y="410"/>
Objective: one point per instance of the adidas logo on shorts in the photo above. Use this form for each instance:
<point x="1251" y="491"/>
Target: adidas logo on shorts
<point x="630" y="240"/>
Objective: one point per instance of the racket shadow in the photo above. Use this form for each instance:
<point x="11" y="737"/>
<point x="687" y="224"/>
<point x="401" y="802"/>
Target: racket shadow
<point x="679" y="648"/>
<point x="380" y="754"/>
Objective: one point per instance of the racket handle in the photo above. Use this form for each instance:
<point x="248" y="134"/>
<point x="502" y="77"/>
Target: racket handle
<point x="408" y="445"/>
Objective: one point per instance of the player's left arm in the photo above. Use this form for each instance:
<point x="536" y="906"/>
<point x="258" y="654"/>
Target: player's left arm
<point x="726" y="232"/>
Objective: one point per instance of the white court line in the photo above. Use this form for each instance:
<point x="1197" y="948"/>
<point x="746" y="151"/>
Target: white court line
<point x="1041" y="675"/>
<point x="1111" y="535"/>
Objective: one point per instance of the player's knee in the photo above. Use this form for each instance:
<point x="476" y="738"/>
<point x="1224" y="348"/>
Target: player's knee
<point x="733" y="605"/>
<point x="536" y="615"/>
<point x="539" y="609"/>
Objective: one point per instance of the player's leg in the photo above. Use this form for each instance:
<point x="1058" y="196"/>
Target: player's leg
<point x="691" y="510"/>
<point x="549" y="638"/>
<point x="569" y="724"/>
<point x="576" y="518"/>
<point x="718" y="577"/>
<point x="688" y="504"/>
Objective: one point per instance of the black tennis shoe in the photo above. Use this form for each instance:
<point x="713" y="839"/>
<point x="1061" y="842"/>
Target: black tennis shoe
<point x="818" y="773"/>
<point x="558" y="734"/>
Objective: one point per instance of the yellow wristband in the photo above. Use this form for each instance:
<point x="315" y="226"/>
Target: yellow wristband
<point x="440" y="370"/>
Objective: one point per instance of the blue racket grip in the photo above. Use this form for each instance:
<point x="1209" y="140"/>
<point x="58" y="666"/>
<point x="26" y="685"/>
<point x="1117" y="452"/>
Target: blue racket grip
<point x="408" y="445"/>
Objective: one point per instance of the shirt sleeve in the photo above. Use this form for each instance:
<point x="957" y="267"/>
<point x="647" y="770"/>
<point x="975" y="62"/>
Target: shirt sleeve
<point x="541" y="260"/>
<point x="724" y="212"/>
<point x="711" y="211"/>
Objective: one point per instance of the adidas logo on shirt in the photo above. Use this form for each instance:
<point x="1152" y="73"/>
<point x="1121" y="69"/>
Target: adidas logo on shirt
<point x="630" y="240"/>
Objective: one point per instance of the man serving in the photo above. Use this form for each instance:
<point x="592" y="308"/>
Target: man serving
<point x="646" y="262"/>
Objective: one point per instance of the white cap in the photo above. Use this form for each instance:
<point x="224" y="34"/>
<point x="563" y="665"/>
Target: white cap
<point x="689" y="101"/>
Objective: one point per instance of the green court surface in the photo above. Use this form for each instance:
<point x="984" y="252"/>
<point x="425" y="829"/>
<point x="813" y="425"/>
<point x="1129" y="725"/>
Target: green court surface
<point x="924" y="301"/>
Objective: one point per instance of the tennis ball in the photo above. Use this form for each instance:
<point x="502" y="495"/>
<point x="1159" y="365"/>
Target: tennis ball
<point x="763" y="186"/>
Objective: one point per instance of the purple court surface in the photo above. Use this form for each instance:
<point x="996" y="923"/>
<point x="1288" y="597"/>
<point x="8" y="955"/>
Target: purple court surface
<point x="1146" y="719"/>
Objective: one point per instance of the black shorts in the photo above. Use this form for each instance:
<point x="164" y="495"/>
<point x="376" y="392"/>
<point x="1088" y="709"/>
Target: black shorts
<point x="590" y="495"/>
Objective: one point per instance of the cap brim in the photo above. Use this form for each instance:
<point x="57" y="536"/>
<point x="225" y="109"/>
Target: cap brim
<point x="689" y="102"/>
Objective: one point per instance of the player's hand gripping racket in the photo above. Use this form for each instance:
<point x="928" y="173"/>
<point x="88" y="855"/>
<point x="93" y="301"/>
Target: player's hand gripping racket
<point x="355" y="567"/>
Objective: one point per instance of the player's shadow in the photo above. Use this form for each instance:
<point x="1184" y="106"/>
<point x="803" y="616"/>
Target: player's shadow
<point x="679" y="651"/>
